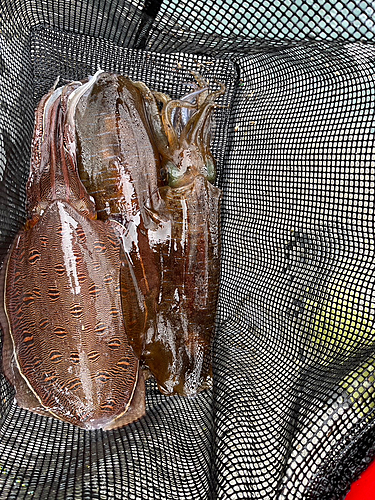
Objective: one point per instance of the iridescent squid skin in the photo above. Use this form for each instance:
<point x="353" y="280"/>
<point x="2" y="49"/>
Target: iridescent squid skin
<point x="65" y="347"/>
<point x="146" y="160"/>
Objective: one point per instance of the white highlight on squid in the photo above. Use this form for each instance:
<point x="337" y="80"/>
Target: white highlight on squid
<point x="76" y="95"/>
<point x="84" y="376"/>
<point x="184" y="223"/>
<point x="49" y="103"/>
<point x="161" y="234"/>
<point x="67" y="223"/>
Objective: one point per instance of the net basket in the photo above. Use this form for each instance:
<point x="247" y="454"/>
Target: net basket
<point x="291" y="412"/>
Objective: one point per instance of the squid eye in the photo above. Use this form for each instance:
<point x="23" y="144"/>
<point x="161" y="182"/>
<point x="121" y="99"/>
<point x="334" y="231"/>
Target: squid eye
<point x="210" y="168"/>
<point x="174" y="173"/>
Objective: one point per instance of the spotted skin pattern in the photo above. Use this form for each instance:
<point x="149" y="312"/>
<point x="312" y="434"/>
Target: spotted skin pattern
<point x="69" y="342"/>
<point x="65" y="347"/>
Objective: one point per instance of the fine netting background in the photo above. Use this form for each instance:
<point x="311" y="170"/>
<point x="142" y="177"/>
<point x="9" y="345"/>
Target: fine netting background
<point x="291" y="414"/>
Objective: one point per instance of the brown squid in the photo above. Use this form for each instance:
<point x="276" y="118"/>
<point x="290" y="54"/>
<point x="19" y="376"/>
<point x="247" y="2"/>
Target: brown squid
<point x="119" y="168"/>
<point x="65" y="347"/>
<point x="132" y="142"/>
<point x="180" y="354"/>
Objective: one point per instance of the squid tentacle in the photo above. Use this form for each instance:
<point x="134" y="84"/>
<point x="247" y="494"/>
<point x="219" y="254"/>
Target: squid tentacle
<point x="174" y="140"/>
<point x="196" y="123"/>
<point x="152" y="115"/>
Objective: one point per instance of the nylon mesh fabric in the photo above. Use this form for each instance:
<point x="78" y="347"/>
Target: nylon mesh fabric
<point x="292" y="409"/>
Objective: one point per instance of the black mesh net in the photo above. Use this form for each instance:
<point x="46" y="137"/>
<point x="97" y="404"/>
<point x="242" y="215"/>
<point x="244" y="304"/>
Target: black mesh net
<point x="291" y="412"/>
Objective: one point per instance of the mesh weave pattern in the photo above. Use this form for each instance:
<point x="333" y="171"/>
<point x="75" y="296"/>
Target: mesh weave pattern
<point x="292" y="409"/>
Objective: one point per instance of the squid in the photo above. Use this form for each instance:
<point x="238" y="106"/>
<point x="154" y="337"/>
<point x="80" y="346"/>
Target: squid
<point x="65" y="349"/>
<point x="180" y="353"/>
<point x="146" y="161"/>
